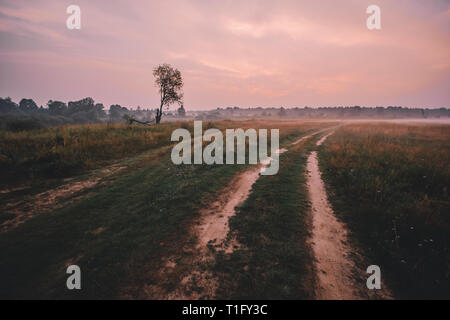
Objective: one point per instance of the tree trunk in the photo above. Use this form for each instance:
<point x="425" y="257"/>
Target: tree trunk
<point x="159" y="114"/>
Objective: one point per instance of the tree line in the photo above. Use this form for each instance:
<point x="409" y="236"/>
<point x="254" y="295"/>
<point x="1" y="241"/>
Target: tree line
<point x="335" y="112"/>
<point x="27" y="115"/>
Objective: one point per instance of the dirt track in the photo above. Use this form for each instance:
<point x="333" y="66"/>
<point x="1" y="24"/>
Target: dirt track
<point x="337" y="275"/>
<point x="338" y="278"/>
<point x="212" y="229"/>
<point x="27" y="207"/>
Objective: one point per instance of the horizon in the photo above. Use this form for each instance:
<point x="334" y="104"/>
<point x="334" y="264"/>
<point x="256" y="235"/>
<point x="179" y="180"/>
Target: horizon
<point x="252" y="54"/>
<point x="175" y="106"/>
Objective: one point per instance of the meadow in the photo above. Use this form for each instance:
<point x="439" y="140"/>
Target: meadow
<point x="68" y="150"/>
<point x="389" y="183"/>
<point x="120" y="230"/>
<point x="61" y="152"/>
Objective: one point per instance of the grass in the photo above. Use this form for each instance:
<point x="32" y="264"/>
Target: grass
<point x="65" y="151"/>
<point x="390" y="184"/>
<point x="274" y="260"/>
<point x="119" y="232"/>
<point x="135" y="214"/>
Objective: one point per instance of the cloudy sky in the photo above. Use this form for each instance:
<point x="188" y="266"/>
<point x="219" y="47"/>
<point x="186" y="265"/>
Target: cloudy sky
<point x="230" y="52"/>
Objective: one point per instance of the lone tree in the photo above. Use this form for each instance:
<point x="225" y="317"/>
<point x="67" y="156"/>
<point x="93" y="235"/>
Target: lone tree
<point x="169" y="82"/>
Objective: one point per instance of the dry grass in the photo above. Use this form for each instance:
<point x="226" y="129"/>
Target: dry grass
<point x="63" y="151"/>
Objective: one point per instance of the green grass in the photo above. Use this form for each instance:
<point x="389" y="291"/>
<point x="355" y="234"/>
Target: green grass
<point x="390" y="184"/>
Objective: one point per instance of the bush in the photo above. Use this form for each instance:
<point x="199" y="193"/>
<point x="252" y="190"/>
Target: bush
<point x="23" y="124"/>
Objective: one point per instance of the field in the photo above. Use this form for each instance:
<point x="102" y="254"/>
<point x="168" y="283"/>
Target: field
<point x="390" y="185"/>
<point x="109" y="199"/>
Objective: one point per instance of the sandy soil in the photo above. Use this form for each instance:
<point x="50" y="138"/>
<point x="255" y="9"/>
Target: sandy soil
<point x="27" y="207"/>
<point x="213" y="228"/>
<point x="309" y="136"/>
<point x="338" y="277"/>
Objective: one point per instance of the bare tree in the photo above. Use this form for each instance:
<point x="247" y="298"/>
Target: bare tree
<point x="170" y="83"/>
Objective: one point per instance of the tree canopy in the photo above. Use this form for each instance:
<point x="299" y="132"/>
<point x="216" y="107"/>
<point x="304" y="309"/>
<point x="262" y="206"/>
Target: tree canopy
<point x="169" y="83"/>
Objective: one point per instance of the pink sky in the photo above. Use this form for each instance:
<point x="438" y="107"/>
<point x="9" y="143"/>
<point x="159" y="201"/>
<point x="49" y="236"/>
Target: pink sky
<point x="244" y="53"/>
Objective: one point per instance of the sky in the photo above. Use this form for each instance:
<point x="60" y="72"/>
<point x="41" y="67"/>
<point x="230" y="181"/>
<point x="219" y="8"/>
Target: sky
<point x="247" y="53"/>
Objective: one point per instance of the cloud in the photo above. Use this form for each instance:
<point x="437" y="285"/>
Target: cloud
<point x="253" y="52"/>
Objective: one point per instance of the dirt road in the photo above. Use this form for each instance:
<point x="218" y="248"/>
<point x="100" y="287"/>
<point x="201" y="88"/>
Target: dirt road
<point x="24" y="208"/>
<point x="338" y="277"/>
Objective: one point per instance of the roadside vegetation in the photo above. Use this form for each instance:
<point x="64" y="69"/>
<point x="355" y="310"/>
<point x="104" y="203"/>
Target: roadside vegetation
<point x="389" y="183"/>
<point x="61" y="152"/>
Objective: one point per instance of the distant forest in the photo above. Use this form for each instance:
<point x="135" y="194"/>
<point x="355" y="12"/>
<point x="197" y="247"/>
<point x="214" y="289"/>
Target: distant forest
<point x="28" y="115"/>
